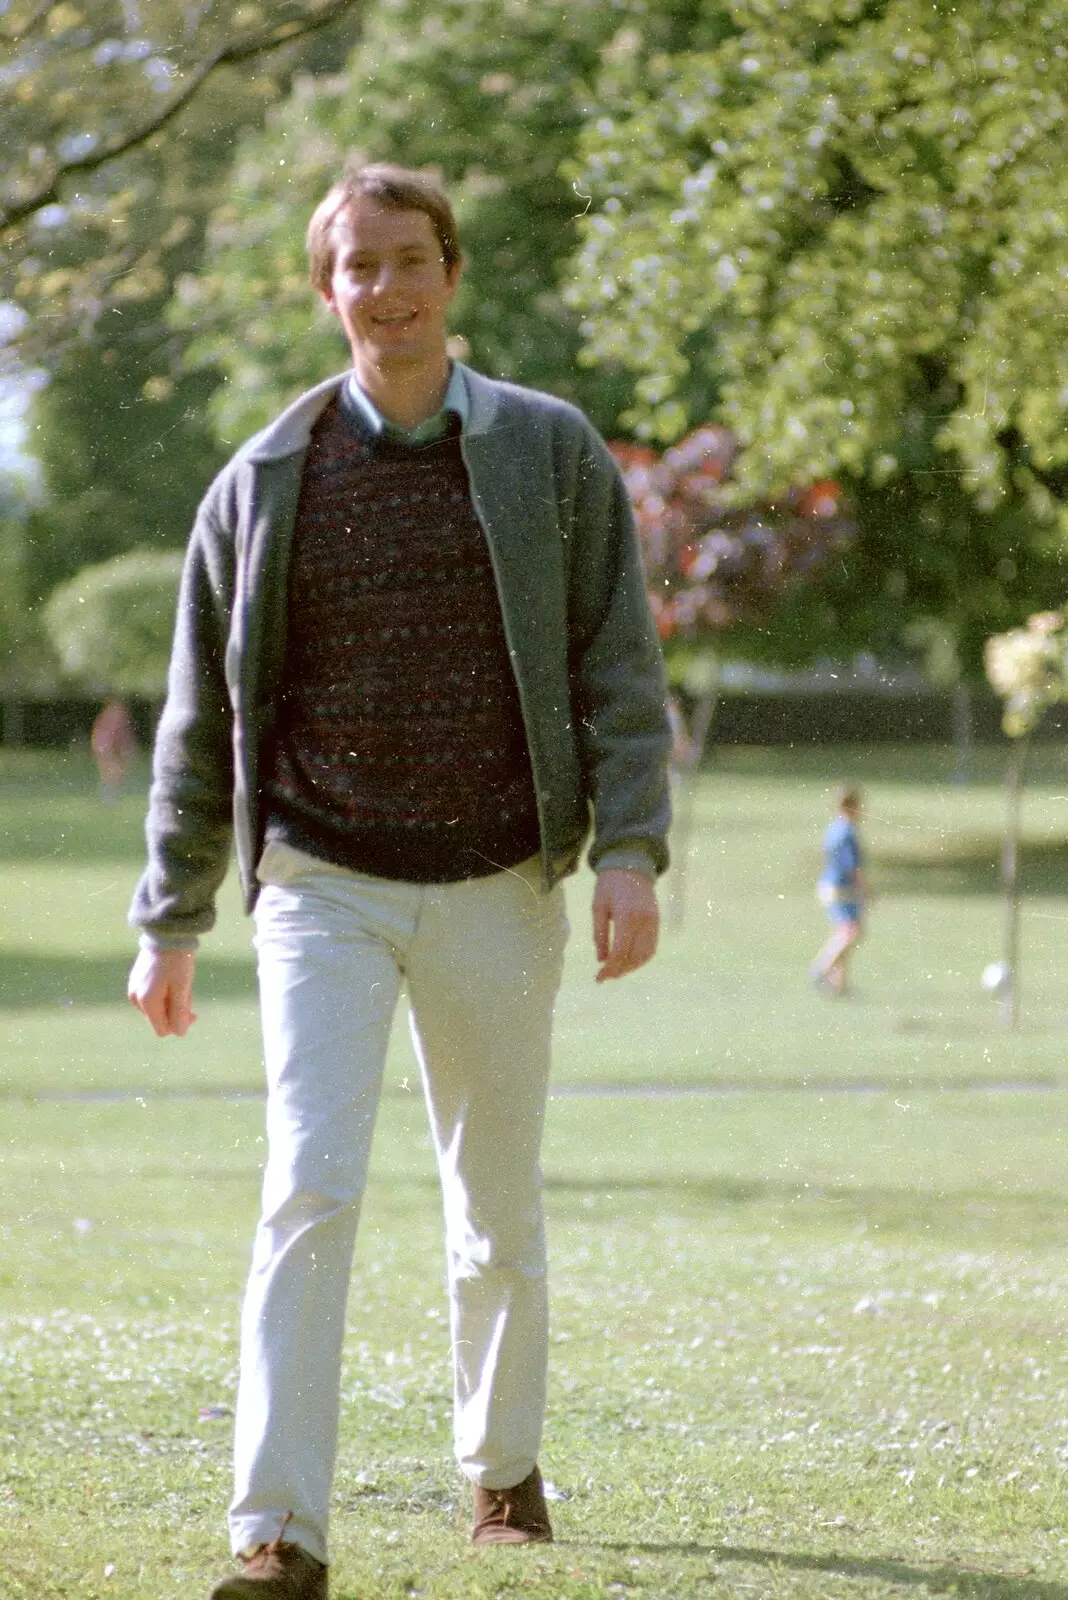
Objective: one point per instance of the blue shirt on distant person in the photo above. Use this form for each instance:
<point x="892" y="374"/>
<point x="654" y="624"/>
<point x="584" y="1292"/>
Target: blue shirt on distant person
<point x="840" y="881"/>
<point x="841" y="853"/>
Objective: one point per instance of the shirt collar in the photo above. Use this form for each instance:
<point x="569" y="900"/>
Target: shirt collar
<point x="457" y="403"/>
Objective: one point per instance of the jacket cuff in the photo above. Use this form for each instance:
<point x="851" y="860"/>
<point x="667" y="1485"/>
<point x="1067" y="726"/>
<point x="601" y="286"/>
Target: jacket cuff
<point x="628" y="858"/>
<point x="172" y="941"/>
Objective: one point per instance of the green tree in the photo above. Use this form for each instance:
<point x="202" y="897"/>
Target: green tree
<point x="26" y="660"/>
<point x="111" y="625"/>
<point x="124" y="457"/>
<point x="90" y="87"/>
<point x="120" y="431"/>
<point x="492" y="93"/>
<point x="850" y="220"/>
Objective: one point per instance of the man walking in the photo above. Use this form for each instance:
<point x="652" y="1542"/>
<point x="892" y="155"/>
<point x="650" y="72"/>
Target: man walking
<point x="413" y="655"/>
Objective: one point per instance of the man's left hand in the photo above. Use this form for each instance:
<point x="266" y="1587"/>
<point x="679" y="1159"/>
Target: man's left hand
<point x="626" y="921"/>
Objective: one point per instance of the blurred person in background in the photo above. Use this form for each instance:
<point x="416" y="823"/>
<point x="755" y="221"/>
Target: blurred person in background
<point x="843" y="892"/>
<point x="114" y="745"/>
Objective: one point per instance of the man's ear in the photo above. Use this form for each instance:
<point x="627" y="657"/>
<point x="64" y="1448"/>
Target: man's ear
<point x="327" y="297"/>
<point x="453" y="275"/>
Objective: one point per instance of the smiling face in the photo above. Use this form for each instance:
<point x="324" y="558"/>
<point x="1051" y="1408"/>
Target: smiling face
<point x="390" y="289"/>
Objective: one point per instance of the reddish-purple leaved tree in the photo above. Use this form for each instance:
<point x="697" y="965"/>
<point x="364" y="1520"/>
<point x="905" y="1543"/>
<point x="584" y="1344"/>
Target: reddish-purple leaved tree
<point x="713" y="565"/>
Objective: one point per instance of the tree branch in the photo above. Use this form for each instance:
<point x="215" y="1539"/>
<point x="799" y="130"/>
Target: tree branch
<point x="256" y="44"/>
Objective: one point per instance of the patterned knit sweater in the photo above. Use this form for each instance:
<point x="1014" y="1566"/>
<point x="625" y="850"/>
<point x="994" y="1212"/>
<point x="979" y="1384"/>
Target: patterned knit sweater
<point x="400" y="747"/>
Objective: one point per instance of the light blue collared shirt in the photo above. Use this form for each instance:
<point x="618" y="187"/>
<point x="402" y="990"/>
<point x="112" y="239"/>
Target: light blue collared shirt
<point x="434" y="428"/>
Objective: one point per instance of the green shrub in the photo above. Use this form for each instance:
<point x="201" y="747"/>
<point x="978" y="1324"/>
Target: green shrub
<point x="111" y="624"/>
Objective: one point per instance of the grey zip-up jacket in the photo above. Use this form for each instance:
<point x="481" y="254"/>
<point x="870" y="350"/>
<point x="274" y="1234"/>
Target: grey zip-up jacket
<point x="580" y="635"/>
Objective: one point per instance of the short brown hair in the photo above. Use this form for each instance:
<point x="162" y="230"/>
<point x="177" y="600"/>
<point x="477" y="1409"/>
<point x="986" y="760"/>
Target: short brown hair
<point x="848" y="797"/>
<point x="400" y="187"/>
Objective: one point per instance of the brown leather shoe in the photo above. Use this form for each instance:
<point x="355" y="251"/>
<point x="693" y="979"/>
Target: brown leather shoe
<point x="512" y="1516"/>
<point x="275" y="1571"/>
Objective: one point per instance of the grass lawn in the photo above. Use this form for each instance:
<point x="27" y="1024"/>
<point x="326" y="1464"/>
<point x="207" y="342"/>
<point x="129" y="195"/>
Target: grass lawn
<point x="808" y="1331"/>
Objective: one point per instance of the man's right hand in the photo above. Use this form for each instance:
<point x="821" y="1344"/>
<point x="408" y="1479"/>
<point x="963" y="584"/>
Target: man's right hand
<point x="161" y="987"/>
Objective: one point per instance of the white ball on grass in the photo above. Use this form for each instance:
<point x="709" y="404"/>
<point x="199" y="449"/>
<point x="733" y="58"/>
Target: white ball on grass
<point x="995" y="977"/>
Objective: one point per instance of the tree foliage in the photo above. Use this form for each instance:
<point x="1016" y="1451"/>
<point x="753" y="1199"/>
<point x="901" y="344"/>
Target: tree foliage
<point x="124" y="457"/>
<point x="120" y="431"/>
<point x="850" y="218"/>
<point x="111" y="625"/>
<point x="491" y="93"/>
<point x="1027" y="668"/>
<point x="25" y="656"/>
<point x="98" y="98"/>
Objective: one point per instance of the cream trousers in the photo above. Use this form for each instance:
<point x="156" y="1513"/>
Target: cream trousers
<point x="481" y="961"/>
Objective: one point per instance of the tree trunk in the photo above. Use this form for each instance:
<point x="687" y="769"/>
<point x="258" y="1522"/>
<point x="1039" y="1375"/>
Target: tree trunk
<point x="689" y="748"/>
<point x="962" y="731"/>
<point x="1010" y="886"/>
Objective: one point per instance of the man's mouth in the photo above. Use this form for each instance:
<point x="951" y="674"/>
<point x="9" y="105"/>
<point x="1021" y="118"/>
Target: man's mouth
<point x="392" y="318"/>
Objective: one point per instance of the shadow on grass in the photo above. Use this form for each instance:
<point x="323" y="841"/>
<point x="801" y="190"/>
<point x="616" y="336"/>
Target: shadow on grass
<point x="944" y="1576"/>
<point x="928" y="1210"/>
<point x="28" y="979"/>
<point x="935" y="1577"/>
<point x="896" y="1209"/>
<point x="956" y="1213"/>
<point x="971" y="866"/>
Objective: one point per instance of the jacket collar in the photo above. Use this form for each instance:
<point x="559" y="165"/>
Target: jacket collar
<point x="290" y="433"/>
